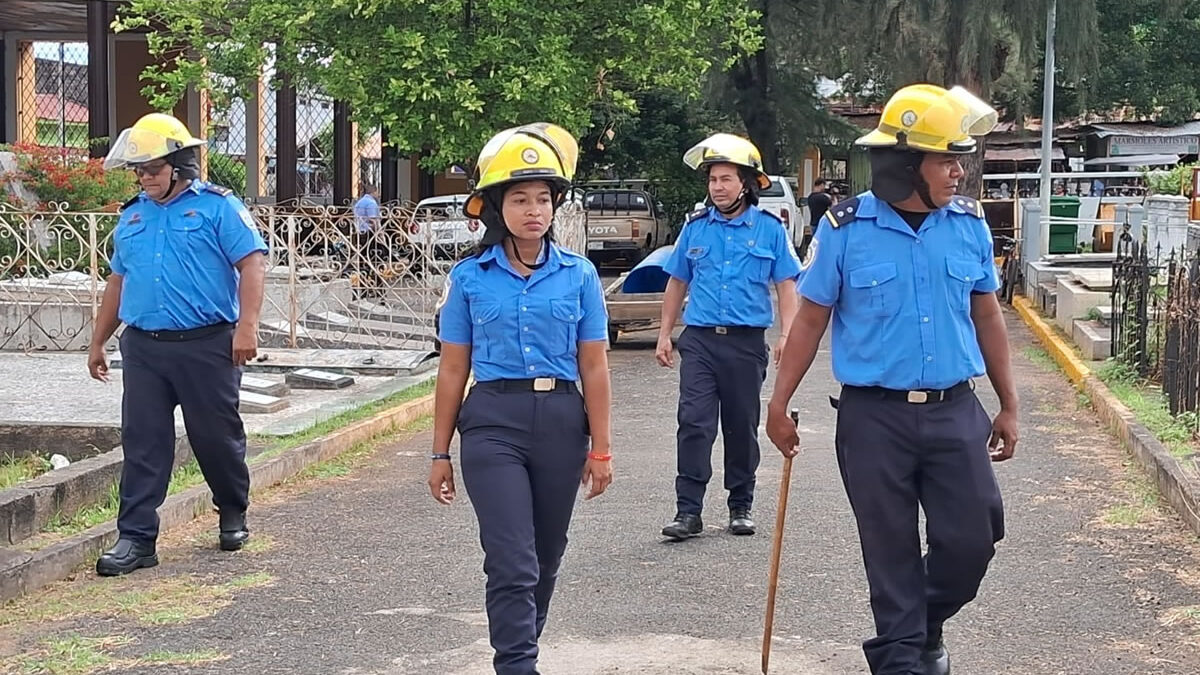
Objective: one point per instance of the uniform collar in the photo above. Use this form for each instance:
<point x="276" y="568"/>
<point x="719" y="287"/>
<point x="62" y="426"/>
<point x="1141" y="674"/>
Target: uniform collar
<point x="870" y="206"/>
<point x="197" y="186"/>
<point x="746" y="217"/>
<point x="496" y="254"/>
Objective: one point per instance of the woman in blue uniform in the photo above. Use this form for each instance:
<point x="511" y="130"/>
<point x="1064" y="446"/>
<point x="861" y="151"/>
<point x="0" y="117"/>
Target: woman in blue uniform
<point x="528" y="319"/>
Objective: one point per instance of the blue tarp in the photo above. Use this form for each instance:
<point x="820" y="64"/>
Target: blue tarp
<point x="648" y="275"/>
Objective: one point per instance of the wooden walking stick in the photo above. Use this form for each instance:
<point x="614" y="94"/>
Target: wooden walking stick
<point x="776" y="549"/>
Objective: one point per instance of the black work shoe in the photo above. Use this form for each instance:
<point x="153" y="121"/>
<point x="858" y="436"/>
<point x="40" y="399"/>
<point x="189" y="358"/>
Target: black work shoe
<point x="125" y="557"/>
<point x="233" y="533"/>
<point x="740" y="521"/>
<point x="934" y="658"/>
<point x="685" y="525"/>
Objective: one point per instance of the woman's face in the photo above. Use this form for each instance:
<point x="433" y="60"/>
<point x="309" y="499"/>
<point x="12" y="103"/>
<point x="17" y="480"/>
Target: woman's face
<point x="528" y="209"/>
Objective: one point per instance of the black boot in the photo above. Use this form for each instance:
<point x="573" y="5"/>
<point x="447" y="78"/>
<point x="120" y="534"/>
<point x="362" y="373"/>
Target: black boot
<point x="685" y="525"/>
<point x="233" y="533"/>
<point x="740" y="521"/>
<point x="934" y="658"/>
<point x="125" y="557"/>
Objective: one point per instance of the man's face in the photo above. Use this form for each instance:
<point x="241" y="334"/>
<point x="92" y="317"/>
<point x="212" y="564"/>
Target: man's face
<point x="941" y="174"/>
<point x="724" y="185"/>
<point x="154" y="177"/>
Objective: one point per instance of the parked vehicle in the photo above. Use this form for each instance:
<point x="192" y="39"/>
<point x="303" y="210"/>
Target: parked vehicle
<point x="440" y="225"/>
<point x="623" y="226"/>
<point x="781" y="200"/>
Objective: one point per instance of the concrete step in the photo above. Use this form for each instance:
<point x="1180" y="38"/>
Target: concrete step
<point x="264" y="385"/>
<point x="1093" y="339"/>
<point x="1105" y="314"/>
<point x="1046" y="292"/>
<point x="1074" y="301"/>
<point x="384" y="330"/>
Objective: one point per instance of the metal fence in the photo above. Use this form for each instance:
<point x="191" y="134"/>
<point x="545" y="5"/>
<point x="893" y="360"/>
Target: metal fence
<point x="1138" y="299"/>
<point x="52" y="93"/>
<point x="1181" y="355"/>
<point x="328" y="285"/>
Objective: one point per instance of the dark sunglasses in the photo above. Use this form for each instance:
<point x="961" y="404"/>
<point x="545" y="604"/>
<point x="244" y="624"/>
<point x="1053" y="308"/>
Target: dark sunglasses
<point x="148" y="169"/>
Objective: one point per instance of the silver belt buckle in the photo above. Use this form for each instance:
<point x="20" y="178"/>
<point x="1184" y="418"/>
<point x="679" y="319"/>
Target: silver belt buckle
<point x="543" y="384"/>
<point x="721" y="330"/>
<point x="918" y="397"/>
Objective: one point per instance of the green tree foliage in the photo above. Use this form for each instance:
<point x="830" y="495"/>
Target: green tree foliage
<point x="444" y="75"/>
<point x="650" y="143"/>
<point x="1149" y="57"/>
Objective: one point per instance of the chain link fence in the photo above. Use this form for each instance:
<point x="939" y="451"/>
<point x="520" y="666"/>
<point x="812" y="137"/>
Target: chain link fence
<point x="52" y="94"/>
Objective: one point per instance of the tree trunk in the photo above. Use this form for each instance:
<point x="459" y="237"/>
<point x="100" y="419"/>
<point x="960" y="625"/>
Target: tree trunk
<point x="754" y="100"/>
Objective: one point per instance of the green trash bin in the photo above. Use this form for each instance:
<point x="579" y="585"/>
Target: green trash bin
<point x="1064" y="237"/>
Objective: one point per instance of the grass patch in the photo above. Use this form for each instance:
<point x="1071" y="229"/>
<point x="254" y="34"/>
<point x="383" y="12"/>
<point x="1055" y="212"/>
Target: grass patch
<point x="278" y="444"/>
<point x="1040" y="358"/>
<point x="71" y="655"/>
<point x="346" y="462"/>
<point x="172" y="600"/>
<point x="78" y="655"/>
<point x="1083" y="400"/>
<point x="15" y="469"/>
<point x="1142" y="504"/>
<point x="1149" y="406"/>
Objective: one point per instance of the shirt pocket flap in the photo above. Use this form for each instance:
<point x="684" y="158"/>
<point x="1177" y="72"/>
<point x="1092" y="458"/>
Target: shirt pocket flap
<point x="872" y="275"/>
<point x="697" y="252"/>
<point x="129" y="228"/>
<point x="762" y="253"/>
<point x="565" y="309"/>
<point x="188" y="222"/>
<point x="967" y="271"/>
<point x="484" y="312"/>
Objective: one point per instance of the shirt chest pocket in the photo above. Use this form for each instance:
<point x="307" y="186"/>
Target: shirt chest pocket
<point x="564" y="315"/>
<point x="759" y="264"/>
<point x="187" y="235"/>
<point x="133" y="243"/>
<point x="962" y="274"/>
<point x="697" y="257"/>
<point x="874" y="289"/>
<point x="487" y="338"/>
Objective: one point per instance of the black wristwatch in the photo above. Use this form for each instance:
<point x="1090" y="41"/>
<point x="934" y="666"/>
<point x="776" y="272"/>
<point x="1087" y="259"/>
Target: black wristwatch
<point x="440" y="455"/>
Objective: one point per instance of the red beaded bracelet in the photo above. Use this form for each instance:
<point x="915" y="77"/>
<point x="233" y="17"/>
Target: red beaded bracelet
<point x="599" y="458"/>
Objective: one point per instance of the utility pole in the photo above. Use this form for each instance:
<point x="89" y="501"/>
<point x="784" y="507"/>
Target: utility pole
<point x="1048" y="123"/>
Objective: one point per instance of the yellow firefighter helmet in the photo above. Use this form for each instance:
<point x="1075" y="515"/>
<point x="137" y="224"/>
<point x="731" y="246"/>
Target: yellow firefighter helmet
<point x="539" y="151"/>
<point x="152" y="137"/>
<point x="928" y="118"/>
<point x="727" y="149"/>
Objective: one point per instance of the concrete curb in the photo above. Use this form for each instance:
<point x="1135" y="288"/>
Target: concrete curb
<point x="25" y="571"/>
<point x="1180" y="490"/>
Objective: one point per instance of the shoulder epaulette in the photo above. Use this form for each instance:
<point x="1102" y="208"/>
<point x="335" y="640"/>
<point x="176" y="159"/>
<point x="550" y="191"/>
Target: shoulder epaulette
<point x="771" y="215"/>
<point x="696" y="215"/>
<point x="223" y="191"/>
<point x="843" y="213"/>
<point x="970" y="205"/>
<point x="132" y="200"/>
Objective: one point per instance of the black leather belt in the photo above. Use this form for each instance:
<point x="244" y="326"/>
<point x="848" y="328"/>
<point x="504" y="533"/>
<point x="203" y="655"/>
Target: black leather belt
<point x="184" y="335"/>
<point x="730" y="330"/>
<point x="537" y="384"/>
<point x="917" y="396"/>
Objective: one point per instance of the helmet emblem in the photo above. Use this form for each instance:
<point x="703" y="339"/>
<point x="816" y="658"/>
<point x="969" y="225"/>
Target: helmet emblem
<point x="530" y="156"/>
<point x="909" y="118"/>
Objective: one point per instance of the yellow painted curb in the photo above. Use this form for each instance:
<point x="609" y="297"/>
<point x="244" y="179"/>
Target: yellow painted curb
<point x="1062" y="352"/>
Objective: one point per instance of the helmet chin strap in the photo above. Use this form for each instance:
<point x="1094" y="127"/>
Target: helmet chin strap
<point x="544" y="250"/>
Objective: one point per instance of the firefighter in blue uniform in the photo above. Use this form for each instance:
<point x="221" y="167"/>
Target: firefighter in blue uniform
<point x="726" y="259"/>
<point x="528" y="319"/>
<point x="187" y="280"/>
<point x="906" y="273"/>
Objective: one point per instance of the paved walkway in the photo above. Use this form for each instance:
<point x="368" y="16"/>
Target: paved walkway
<point x="364" y="573"/>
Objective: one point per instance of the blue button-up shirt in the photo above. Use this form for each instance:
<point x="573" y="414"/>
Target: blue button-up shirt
<point x="729" y="266"/>
<point x="177" y="259"/>
<point x="521" y="328"/>
<point x="366" y="210"/>
<point x="902" y="300"/>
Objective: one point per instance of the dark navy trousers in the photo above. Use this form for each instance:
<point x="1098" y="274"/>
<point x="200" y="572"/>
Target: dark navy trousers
<point x="200" y="376"/>
<point x="522" y="459"/>
<point x="720" y="378"/>
<point x="893" y="456"/>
